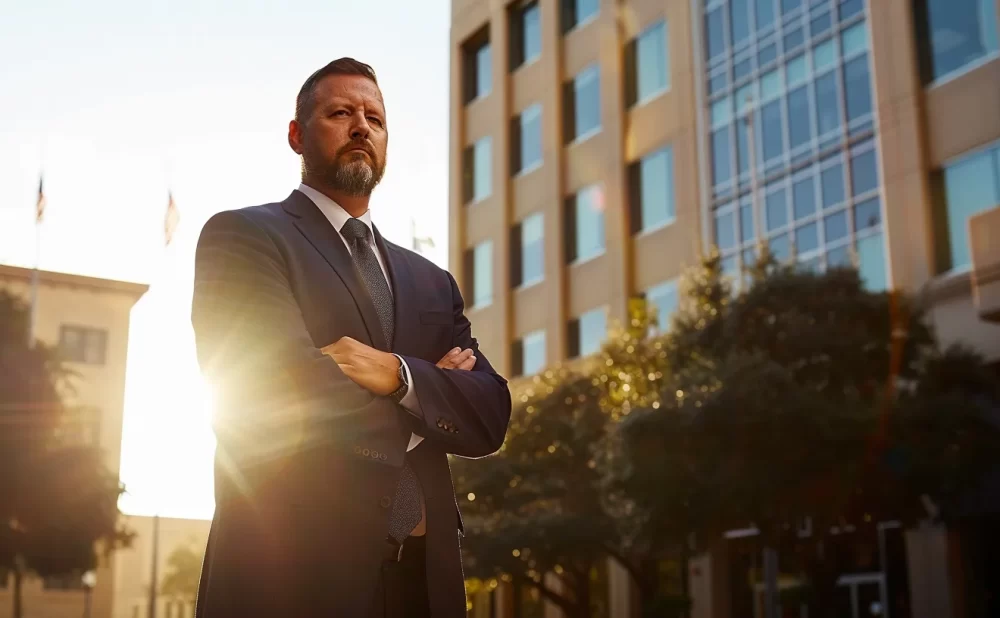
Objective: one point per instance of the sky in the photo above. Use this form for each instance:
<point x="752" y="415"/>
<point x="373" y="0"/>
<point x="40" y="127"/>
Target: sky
<point x="121" y="101"/>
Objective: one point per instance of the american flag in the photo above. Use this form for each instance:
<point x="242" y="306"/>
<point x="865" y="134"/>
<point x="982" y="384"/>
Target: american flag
<point x="40" y="204"/>
<point x="171" y="220"/>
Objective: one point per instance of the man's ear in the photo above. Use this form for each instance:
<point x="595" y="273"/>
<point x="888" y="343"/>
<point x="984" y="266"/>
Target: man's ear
<point x="295" y="136"/>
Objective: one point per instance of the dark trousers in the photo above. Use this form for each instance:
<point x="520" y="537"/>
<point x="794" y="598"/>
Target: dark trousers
<point x="402" y="587"/>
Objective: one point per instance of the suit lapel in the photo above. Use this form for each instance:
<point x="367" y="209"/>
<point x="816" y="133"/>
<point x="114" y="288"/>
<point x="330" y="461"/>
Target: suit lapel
<point x="317" y="229"/>
<point x="404" y="298"/>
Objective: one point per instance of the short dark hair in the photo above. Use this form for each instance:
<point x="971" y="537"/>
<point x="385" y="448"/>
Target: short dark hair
<point x="305" y="102"/>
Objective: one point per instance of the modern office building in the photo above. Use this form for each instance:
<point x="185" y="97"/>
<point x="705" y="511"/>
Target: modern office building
<point x="599" y="146"/>
<point x="88" y="319"/>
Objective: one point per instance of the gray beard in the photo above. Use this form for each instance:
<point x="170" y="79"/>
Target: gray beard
<point x="355" y="178"/>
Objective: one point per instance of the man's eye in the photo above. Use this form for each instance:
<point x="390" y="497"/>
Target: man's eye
<point x="340" y="112"/>
<point x="375" y="119"/>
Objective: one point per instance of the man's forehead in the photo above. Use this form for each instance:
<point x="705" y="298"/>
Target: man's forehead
<point x="352" y="87"/>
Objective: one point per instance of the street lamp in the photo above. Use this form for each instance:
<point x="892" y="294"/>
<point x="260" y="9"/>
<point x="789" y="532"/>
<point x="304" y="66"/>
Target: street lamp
<point x="89" y="580"/>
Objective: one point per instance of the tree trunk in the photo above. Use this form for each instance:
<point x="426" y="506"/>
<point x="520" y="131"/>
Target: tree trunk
<point x="18" y="580"/>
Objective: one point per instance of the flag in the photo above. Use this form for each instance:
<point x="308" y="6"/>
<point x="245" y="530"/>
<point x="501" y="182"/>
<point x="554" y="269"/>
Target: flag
<point x="171" y="220"/>
<point x="40" y="204"/>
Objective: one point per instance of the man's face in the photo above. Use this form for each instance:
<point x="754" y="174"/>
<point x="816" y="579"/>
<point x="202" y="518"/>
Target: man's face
<point x="343" y="140"/>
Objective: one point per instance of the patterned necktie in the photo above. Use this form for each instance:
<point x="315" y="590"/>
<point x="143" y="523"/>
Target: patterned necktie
<point x="406" y="507"/>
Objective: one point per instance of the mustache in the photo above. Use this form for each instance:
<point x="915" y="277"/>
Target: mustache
<point x="359" y="145"/>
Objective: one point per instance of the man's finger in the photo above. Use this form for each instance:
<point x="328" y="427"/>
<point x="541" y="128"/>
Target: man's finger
<point x="468" y="364"/>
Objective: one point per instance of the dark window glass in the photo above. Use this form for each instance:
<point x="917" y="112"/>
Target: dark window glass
<point x="767" y="54"/>
<point x="838" y="258"/>
<point x="794" y="39"/>
<point x="525" y="34"/>
<point x="787" y="6"/>
<point x="721" y="167"/>
<point x="832" y="181"/>
<point x="652" y="66"/>
<point x="850" y="8"/>
<point x="771" y="138"/>
<point x="575" y="12"/>
<point x="781" y="247"/>
<point x="478" y="67"/>
<point x="583" y="113"/>
<point x="807" y="238"/>
<point x="971" y="186"/>
<point x="857" y="88"/>
<point x="864" y="173"/>
<point x="821" y="25"/>
<point x="742" y="142"/>
<point x="803" y="198"/>
<point x="725" y="231"/>
<point x="742" y="70"/>
<point x="827" y="111"/>
<point x="739" y="18"/>
<point x="799" y="123"/>
<point x="715" y="35"/>
<point x="746" y="223"/>
<point x="867" y="214"/>
<point x="777" y="210"/>
<point x="718" y="83"/>
<point x="765" y="13"/>
<point x="835" y="226"/>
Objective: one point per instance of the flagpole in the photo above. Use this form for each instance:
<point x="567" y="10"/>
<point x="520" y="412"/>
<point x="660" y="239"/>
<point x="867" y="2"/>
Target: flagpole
<point x="154" y="575"/>
<point x="33" y="316"/>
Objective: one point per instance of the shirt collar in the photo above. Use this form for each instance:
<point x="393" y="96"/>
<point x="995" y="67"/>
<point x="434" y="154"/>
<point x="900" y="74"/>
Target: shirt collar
<point x="333" y="211"/>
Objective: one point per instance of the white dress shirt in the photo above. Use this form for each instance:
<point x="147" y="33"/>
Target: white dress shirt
<point x="337" y="217"/>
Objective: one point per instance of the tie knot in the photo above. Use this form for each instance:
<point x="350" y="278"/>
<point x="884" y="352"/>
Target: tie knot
<point x="354" y="230"/>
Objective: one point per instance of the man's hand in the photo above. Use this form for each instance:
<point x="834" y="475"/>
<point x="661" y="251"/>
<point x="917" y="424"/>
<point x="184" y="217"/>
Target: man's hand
<point x="457" y="358"/>
<point x="371" y="369"/>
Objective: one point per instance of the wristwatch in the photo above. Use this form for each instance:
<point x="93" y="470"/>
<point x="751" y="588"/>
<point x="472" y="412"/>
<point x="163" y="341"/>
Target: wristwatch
<point x="404" y="384"/>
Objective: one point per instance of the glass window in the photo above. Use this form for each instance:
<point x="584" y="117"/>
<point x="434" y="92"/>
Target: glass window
<point x="781" y="247"/>
<point x="739" y="20"/>
<point x="824" y="56"/>
<point x="531" y="136"/>
<point x="777" y="209"/>
<point x="742" y="145"/>
<point x="715" y="36"/>
<point x="532" y="249"/>
<point x="794" y="38"/>
<point x="664" y="299"/>
<point x="742" y="70"/>
<point x="717" y="83"/>
<point x="787" y="6"/>
<point x="807" y="238"/>
<point x="482" y="278"/>
<point x="839" y="258"/>
<point x="857" y="88"/>
<point x="484" y="71"/>
<point x="821" y="25"/>
<point x="721" y="166"/>
<point x="587" y="101"/>
<point x="725" y="231"/>
<point x="864" y="173"/>
<point x="799" y="122"/>
<point x="955" y="33"/>
<point x="589" y="222"/>
<point x="80" y="344"/>
<point x="746" y="223"/>
<point x="770" y="85"/>
<point x="531" y="28"/>
<point x="867" y="214"/>
<point x="745" y="98"/>
<point x="722" y="111"/>
<point x="796" y="70"/>
<point x="771" y="137"/>
<point x="652" y="72"/>
<point x="827" y="110"/>
<point x="832" y="181"/>
<point x="533" y="353"/>
<point x="593" y="330"/>
<point x="580" y="11"/>
<point x="656" y="186"/>
<point x="835" y="226"/>
<point x="971" y="186"/>
<point x="765" y="13"/>
<point x="854" y="40"/>
<point x="482" y="185"/>
<point x="850" y="8"/>
<point x="803" y="198"/>
<point x="871" y="258"/>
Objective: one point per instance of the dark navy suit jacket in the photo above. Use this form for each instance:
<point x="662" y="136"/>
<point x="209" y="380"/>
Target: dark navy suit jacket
<point x="307" y="461"/>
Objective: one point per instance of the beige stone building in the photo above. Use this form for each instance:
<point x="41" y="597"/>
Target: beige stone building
<point x="599" y="146"/>
<point x="88" y="319"/>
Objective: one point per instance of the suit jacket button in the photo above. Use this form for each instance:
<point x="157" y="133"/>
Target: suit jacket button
<point x="374" y="454"/>
<point x="383" y="456"/>
<point x="357" y="450"/>
<point x="366" y="452"/>
<point x="385" y="502"/>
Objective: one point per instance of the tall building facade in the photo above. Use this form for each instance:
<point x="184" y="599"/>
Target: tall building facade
<point x="600" y="146"/>
<point x="88" y="320"/>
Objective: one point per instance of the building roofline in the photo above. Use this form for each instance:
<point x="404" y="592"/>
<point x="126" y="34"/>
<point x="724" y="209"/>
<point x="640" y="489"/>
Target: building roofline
<point x="135" y="290"/>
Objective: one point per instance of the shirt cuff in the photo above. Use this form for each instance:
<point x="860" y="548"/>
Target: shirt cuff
<point x="409" y="401"/>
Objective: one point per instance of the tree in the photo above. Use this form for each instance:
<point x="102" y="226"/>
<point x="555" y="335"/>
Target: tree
<point x="805" y="396"/>
<point x="60" y="505"/>
<point x="535" y="507"/>
<point x="183" y="575"/>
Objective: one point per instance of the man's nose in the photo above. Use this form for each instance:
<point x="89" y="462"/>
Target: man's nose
<point x="360" y="129"/>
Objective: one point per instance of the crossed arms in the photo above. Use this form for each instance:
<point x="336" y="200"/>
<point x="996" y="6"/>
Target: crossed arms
<point x="276" y="392"/>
